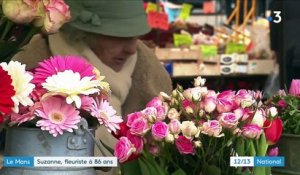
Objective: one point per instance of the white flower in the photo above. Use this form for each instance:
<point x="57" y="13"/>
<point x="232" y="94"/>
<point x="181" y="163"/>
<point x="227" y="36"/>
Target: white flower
<point x="199" y="81"/>
<point x="273" y="111"/>
<point x="21" y="82"/>
<point x="188" y="129"/>
<point x="69" y="84"/>
<point x="258" y="118"/>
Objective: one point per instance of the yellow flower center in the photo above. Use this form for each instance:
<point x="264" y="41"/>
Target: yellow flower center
<point x="56" y="117"/>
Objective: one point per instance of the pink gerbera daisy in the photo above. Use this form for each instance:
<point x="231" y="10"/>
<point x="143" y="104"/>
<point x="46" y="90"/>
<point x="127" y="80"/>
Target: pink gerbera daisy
<point x="58" y="63"/>
<point x="57" y="116"/>
<point x="106" y="115"/>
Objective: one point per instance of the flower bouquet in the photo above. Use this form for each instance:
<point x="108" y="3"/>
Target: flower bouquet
<point x="196" y="131"/>
<point x="288" y="105"/>
<point x="55" y="95"/>
<point x="20" y="20"/>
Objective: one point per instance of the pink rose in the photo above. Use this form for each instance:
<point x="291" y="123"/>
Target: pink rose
<point x="137" y="141"/>
<point x="161" y="112"/>
<point x="229" y="120"/>
<point x="244" y="98"/>
<point x="124" y="149"/>
<point x="160" y="130"/>
<point x="149" y="113"/>
<point x="139" y="127"/>
<point x="156" y="101"/>
<point x="212" y="128"/>
<point x="132" y="117"/>
<point x="295" y="87"/>
<point x="210" y="104"/>
<point x="225" y="101"/>
<point x="56" y="14"/>
<point x="257" y="95"/>
<point x="252" y="131"/>
<point x="282" y="103"/>
<point x="21" y="11"/>
<point x="174" y="126"/>
<point x="185" y="145"/>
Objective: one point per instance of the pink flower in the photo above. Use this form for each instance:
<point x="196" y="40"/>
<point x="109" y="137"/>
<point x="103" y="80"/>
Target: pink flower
<point x="132" y="117"/>
<point x="37" y="93"/>
<point x="252" y="131"/>
<point x="154" y="149"/>
<point x="20" y="11"/>
<point x="160" y="130"/>
<point x="56" y="14"/>
<point x="244" y="98"/>
<point x="25" y="114"/>
<point x="257" y="95"/>
<point x="139" y="127"/>
<point x="106" y="114"/>
<point x="161" y="112"/>
<point x="282" y="103"/>
<point x="229" y="120"/>
<point x="86" y="103"/>
<point x="273" y="151"/>
<point x="57" y="64"/>
<point x="185" y="145"/>
<point x="124" y="149"/>
<point x="210" y="104"/>
<point x="212" y="128"/>
<point x="295" y="87"/>
<point x="174" y="126"/>
<point x="57" y="116"/>
<point x="137" y="141"/>
<point x="225" y="101"/>
<point x="149" y="113"/>
<point x="156" y="101"/>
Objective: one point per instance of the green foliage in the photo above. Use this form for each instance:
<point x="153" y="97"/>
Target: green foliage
<point x="289" y="111"/>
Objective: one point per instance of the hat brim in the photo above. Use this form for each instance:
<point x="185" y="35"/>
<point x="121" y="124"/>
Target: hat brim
<point x="132" y="27"/>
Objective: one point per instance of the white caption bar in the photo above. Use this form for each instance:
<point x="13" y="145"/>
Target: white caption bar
<point x="75" y="161"/>
<point x="242" y="161"/>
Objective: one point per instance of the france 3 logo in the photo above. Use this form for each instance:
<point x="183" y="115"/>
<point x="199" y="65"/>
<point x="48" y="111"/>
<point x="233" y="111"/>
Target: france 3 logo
<point x="275" y="17"/>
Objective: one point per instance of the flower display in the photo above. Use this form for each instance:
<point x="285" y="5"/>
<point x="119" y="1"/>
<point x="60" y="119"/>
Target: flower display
<point x="56" y="95"/>
<point x="196" y="131"/>
<point x="288" y="105"/>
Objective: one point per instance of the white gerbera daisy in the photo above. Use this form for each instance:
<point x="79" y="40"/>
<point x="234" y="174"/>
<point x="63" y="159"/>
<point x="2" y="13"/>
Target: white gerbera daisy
<point x="69" y="84"/>
<point x="21" y="82"/>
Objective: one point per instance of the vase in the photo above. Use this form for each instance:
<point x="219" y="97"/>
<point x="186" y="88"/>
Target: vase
<point x="289" y="148"/>
<point x="21" y="141"/>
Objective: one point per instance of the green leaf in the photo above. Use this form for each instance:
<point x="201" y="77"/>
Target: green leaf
<point x="131" y="168"/>
<point x="212" y="170"/>
<point x="145" y="169"/>
<point x="179" y="172"/>
<point x="262" y="145"/>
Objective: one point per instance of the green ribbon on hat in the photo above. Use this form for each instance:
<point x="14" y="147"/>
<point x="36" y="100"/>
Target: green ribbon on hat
<point x="87" y="16"/>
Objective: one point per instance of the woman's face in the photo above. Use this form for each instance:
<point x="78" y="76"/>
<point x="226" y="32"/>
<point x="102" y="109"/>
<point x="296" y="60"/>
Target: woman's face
<point x="113" y="51"/>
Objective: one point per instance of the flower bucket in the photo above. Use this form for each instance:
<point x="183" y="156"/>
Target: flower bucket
<point x="21" y="141"/>
<point x="289" y="148"/>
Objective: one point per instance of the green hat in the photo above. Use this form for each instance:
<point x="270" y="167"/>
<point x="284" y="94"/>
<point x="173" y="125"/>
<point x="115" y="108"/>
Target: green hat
<point x="120" y="18"/>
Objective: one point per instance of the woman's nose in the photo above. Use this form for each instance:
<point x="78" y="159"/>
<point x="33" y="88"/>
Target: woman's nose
<point x="130" y="47"/>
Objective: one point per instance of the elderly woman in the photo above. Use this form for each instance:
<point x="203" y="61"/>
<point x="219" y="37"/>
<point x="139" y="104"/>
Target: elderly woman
<point x="106" y="32"/>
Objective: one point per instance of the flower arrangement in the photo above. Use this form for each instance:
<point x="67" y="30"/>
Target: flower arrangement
<point x="196" y="130"/>
<point x="288" y="105"/>
<point x="55" y="95"/>
<point x="22" y="19"/>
